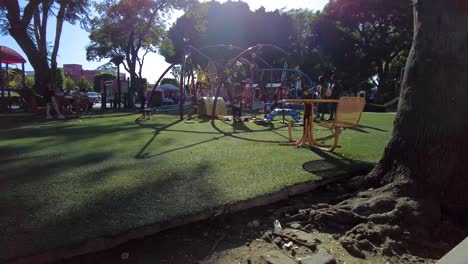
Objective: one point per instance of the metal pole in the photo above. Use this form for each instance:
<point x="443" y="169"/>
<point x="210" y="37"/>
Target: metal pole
<point x="252" y="90"/>
<point x="215" y="102"/>
<point x="181" y="90"/>
<point x="24" y="75"/>
<point x="3" y="87"/>
<point x="118" y="86"/>
<point x="7" y="81"/>
<point x="103" y="95"/>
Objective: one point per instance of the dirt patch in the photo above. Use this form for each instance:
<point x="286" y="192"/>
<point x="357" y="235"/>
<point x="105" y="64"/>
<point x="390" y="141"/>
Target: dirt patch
<point x="250" y="237"/>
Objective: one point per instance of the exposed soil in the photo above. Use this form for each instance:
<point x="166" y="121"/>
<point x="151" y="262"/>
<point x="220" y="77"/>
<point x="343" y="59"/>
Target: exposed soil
<point x="249" y="237"/>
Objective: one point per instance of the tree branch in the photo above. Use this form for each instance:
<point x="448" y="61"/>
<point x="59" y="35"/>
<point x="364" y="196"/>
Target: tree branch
<point x="28" y="12"/>
<point x="58" y="33"/>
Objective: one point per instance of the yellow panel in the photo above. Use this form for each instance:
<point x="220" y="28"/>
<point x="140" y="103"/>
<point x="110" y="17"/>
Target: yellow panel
<point x="205" y="106"/>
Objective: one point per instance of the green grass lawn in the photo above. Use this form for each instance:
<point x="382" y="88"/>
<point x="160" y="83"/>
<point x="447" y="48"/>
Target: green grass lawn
<point x="62" y="182"/>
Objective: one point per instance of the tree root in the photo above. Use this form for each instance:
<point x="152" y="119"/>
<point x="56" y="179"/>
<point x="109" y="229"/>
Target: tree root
<point x="380" y="221"/>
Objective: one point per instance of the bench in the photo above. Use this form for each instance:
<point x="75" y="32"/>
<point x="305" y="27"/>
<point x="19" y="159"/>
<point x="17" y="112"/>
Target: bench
<point x="348" y="114"/>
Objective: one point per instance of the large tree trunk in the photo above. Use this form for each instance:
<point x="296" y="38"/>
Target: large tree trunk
<point x="19" y="31"/>
<point x="421" y="182"/>
<point x="428" y="149"/>
<point x="37" y="60"/>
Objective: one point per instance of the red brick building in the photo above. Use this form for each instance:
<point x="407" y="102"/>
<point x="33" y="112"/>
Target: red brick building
<point x="75" y="71"/>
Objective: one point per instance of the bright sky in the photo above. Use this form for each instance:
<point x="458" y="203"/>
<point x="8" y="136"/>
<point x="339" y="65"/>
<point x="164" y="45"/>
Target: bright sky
<point x="74" y="40"/>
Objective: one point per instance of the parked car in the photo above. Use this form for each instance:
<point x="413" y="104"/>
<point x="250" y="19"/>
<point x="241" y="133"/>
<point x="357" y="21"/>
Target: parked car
<point x="95" y="97"/>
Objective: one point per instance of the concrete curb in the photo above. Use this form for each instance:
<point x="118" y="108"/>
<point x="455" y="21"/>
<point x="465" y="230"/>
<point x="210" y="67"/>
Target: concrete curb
<point x="103" y="243"/>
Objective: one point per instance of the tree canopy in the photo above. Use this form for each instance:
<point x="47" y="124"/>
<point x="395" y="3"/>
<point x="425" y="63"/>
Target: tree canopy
<point x="106" y="76"/>
<point x="231" y="23"/>
<point x="131" y="28"/>
<point x="84" y="84"/>
<point x="27" y="23"/>
<point x="367" y="39"/>
<point x="364" y="42"/>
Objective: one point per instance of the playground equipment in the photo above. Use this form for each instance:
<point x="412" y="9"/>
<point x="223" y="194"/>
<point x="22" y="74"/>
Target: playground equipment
<point x="203" y="77"/>
<point x="115" y="92"/>
<point x="7" y="57"/>
<point x="205" y="106"/>
<point x="293" y="113"/>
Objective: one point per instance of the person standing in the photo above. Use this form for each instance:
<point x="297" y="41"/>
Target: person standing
<point x="324" y="93"/>
<point x="237" y="103"/>
<point x="335" y="87"/>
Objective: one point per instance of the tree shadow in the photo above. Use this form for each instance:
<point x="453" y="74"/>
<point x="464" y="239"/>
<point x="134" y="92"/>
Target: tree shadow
<point x="143" y="154"/>
<point x="108" y="212"/>
<point x="25" y="170"/>
<point x="335" y="165"/>
<point x="68" y="130"/>
<point x="157" y="130"/>
<point x="357" y="129"/>
<point x="235" y="135"/>
<point x="373" y="128"/>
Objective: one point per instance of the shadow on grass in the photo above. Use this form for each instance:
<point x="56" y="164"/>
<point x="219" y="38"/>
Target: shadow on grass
<point x="373" y="128"/>
<point x="105" y="113"/>
<point x="13" y="120"/>
<point x="24" y="170"/>
<point x="235" y="135"/>
<point x="142" y="154"/>
<point x="97" y="210"/>
<point x="68" y="131"/>
<point x="332" y="165"/>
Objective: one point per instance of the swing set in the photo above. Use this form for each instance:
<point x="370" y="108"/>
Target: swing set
<point x="203" y="76"/>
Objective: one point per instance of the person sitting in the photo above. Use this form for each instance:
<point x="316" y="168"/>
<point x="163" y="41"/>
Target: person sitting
<point x="76" y="104"/>
<point x="52" y="103"/>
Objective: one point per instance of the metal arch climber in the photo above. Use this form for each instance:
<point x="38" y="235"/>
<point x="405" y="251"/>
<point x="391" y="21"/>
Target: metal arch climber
<point x="248" y="57"/>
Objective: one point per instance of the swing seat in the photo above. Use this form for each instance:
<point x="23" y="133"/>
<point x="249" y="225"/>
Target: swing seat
<point x="348" y="114"/>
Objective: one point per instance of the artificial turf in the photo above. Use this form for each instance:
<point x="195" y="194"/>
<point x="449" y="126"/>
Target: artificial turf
<point x="63" y="182"/>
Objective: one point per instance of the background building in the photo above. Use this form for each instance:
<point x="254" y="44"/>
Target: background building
<point x="75" y="72"/>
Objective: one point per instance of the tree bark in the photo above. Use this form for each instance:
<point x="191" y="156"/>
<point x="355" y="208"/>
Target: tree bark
<point x="418" y="190"/>
<point x="428" y="148"/>
<point x="18" y="30"/>
<point x="58" y="33"/>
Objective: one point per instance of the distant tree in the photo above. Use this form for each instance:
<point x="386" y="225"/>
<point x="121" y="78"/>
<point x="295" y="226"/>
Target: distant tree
<point x="129" y="28"/>
<point x="15" y="78"/>
<point x="305" y="53"/>
<point x="59" y="78"/>
<point x="231" y="23"/>
<point x="141" y="93"/>
<point x="29" y="81"/>
<point x="68" y="84"/>
<point x="108" y="67"/>
<point x="366" y="38"/>
<point x="84" y="84"/>
<point x="103" y="76"/>
<point x="27" y="24"/>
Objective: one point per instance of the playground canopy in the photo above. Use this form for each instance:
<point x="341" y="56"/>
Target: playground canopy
<point x="168" y="86"/>
<point x="9" y="56"/>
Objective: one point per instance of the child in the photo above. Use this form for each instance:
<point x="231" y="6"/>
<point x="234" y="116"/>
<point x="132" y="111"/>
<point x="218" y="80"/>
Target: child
<point x="237" y="103"/>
